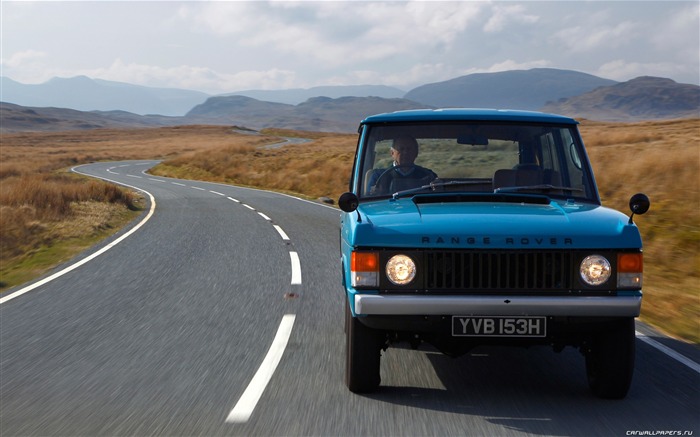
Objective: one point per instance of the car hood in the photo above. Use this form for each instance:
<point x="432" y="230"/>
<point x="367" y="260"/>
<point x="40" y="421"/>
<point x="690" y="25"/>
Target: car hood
<point x="544" y="224"/>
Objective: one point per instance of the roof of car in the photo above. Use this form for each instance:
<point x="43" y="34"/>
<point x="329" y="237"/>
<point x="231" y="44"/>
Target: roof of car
<point x="457" y="114"/>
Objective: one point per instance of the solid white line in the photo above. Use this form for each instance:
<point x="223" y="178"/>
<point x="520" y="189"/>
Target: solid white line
<point x="216" y="192"/>
<point x="264" y="216"/>
<point x="252" y="394"/>
<point x="670" y="352"/>
<point x="296" y="268"/>
<point x="249" y="207"/>
<point x="91" y="257"/>
<point x="235" y="200"/>
<point x="281" y="232"/>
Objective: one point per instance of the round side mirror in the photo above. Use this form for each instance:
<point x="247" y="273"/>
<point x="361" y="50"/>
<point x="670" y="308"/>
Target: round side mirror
<point x="639" y="203"/>
<point x="348" y="202"/>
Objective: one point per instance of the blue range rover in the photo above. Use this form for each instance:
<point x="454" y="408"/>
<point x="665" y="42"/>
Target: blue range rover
<point x="469" y="227"/>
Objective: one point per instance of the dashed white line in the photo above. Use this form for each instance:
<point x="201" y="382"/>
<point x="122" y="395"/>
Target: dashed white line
<point x="200" y="189"/>
<point x="179" y="184"/>
<point x="134" y="176"/>
<point x="281" y="232"/>
<point x="264" y="216"/>
<point x="217" y="193"/>
<point x="235" y="200"/>
<point x="249" y="207"/>
<point x="157" y="180"/>
<point x="296" y="268"/>
<point x="252" y="394"/>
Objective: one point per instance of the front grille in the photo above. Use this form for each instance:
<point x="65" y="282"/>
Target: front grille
<point x="498" y="270"/>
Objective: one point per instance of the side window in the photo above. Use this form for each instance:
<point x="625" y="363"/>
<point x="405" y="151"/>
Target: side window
<point x="572" y="160"/>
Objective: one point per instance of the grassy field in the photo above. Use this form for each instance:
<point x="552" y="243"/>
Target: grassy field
<point x="661" y="159"/>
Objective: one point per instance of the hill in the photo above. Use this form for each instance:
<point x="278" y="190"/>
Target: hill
<point x="299" y="95"/>
<point x="516" y="89"/>
<point x="321" y="114"/>
<point x="86" y="94"/>
<point x="643" y="98"/>
<point x="15" y="118"/>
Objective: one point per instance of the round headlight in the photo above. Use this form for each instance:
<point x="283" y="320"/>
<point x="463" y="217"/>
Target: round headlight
<point x="595" y="270"/>
<point x="400" y="269"/>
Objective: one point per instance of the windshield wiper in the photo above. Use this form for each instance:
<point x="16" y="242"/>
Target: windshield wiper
<point x="434" y="185"/>
<point x="544" y="187"/>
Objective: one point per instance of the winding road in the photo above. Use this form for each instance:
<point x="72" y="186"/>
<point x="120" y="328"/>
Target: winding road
<point x="220" y="312"/>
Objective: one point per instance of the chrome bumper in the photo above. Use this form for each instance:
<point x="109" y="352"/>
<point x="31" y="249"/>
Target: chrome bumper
<point x="574" y="306"/>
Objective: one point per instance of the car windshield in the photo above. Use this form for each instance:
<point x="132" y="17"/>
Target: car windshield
<point x="468" y="157"/>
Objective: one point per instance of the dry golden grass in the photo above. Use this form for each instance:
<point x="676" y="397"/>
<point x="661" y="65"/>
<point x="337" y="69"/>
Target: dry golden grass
<point x="661" y="159"/>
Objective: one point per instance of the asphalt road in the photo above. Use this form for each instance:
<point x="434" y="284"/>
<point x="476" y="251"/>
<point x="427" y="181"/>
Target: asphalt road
<point x="205" y="312"/>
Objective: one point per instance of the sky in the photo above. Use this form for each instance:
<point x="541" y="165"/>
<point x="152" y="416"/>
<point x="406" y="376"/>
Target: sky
<point x="226" y="46"/>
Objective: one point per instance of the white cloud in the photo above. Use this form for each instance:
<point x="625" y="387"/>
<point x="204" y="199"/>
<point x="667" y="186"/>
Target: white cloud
<point x="504" y="15"/>
<point x="223" y="46"/>
<point x="622" y="70"/>
<point x="589" y="38"/>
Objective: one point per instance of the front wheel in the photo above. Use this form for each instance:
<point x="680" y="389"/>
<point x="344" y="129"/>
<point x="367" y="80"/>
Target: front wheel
<point x="610" y="361"/>
<point x="363" y="350"/>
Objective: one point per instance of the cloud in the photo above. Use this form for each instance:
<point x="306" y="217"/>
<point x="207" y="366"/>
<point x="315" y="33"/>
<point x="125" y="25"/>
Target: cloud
<point x="677" y="33"/>
<point x="622" y="70"/>
<point x="336" y="33"/>
<point x="504" y="15"/>
<point x="594" y="37"/>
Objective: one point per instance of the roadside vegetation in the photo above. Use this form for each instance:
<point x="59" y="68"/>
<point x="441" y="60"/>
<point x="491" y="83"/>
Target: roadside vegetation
<point x="660" y="159"/>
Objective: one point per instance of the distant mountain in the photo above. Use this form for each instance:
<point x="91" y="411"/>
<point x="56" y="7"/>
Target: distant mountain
<point x="85" y="94"/>
<point x="299" y="95"/>
<point x="322" y="114"/>
<point x="559" y="91"/>
<point x="643" y="98"/>
<point x="15" y="118"/>
<point x="516" y="89"/>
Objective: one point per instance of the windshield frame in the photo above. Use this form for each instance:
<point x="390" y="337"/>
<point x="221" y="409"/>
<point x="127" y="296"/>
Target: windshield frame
<point x="587" y="194"/>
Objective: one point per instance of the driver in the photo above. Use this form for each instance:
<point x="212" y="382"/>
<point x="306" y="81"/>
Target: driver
<point x="404" y="173"/>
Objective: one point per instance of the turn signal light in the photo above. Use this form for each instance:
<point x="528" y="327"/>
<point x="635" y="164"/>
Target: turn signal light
<point x="629" y="270"/>
<point x="630" y="262"/>
<point x="364" y="267"/>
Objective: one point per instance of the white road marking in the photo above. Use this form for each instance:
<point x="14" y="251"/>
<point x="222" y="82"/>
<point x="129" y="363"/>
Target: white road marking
<point x="91" y="257"/>
<point x="200" y="189"/>
<point x="296" y="268"/>
<point x="670" y="352"/>
<point x="235" y="200"/>
<point x="249" y="207"/>
<point x="134" y="176"/>
<point x="281" y="232"/>
<point x="177" y="183"/>
<point x="157" y="180"/>
<point x="252" y="394"/>
<point x="216" y="192"/>
<point x="264" y="216"/>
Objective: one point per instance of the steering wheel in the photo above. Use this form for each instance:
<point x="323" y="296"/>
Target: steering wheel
<point x="392" y="168"/>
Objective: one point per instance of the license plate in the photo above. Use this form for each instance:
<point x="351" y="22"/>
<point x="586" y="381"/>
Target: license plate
<point x="468" y="326"/>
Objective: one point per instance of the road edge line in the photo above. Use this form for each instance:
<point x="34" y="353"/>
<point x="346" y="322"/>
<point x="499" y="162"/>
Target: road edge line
<point x="72" y="267"/>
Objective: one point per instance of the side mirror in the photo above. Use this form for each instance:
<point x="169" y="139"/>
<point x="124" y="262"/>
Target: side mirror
<point x="348" y="202"/>
<point x="639" y="204"/>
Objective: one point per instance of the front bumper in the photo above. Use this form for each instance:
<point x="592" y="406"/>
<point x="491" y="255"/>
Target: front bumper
<point x="573" y="306"/>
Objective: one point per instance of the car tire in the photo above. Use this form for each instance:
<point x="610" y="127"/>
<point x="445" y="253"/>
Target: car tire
<point x="363" y="352"/>
<point x="610" y="361"/>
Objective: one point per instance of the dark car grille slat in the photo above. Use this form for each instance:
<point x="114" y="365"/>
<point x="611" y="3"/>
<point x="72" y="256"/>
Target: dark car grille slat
<point x="498" y="270"/>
